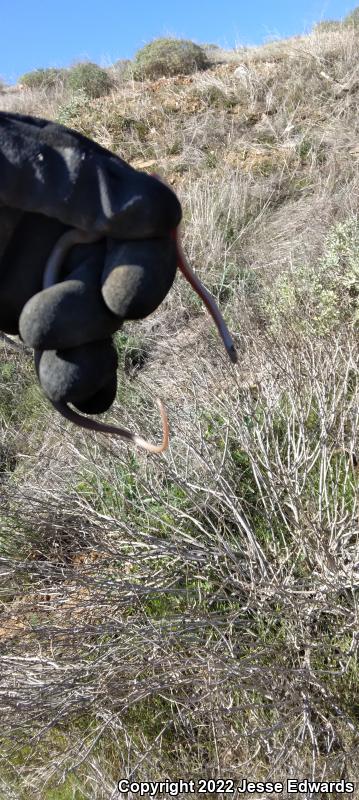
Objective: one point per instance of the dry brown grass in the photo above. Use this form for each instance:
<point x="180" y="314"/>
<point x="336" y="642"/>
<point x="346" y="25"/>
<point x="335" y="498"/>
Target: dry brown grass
<point x="196" y="614"/>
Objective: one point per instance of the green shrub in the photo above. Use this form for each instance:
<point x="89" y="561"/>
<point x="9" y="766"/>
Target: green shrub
<point x="325" y="295"/>
<point x="169" y="57"/>
<point x="352" y="19"/>
<point x="43" y="78"/>
<point x="69" y="113"/>
<point x="89" y="78"/>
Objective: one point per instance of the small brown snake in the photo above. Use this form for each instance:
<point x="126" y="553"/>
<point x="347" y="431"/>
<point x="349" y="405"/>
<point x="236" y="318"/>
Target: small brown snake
<point x="52" y="275"/>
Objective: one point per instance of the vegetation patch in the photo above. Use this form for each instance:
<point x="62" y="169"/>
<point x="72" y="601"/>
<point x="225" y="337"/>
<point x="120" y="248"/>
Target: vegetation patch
<point x="47" y="78"/>
<point x="322" y="296"/>
<point x="352" y="19"/>
<point x="165" y="57"/>
<point x="327" y="26"/>
<point x="89" y="78"/>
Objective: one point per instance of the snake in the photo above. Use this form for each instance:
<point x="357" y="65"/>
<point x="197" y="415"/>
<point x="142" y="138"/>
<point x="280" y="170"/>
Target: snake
<point x="52" y="275"/>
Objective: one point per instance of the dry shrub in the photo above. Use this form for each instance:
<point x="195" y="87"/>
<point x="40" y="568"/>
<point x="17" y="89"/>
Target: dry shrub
<point x="326" y="25"/>
<point x="38" y="102"/>
<point x="199" y="604"/>
<point x="121" y="71"/>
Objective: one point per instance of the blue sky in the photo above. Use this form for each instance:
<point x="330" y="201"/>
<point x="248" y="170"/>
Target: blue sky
<point x="43" y="33"/>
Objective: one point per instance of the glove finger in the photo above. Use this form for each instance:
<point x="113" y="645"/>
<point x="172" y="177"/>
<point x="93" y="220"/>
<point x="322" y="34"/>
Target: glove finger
<point x="137" y="276"/>
<point x="100" y="401"/>
<point x="77" y="374"/>
<point x="22" y="265"/>
<point x="135" y="205"/>
<point x="10" y="219"/>
<point x="84" y="262"/>
<point x="68" y="314"/>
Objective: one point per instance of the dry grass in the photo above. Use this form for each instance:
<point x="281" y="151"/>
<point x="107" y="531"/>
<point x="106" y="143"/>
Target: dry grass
<point x="196" y="614"/>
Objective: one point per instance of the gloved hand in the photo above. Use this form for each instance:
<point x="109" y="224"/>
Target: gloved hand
<point x="86" y="242"/>
<point x="54" y="180"/>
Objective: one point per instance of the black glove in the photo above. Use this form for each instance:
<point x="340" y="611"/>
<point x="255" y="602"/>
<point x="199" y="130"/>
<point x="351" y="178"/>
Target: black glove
<point x="52" y="180"/>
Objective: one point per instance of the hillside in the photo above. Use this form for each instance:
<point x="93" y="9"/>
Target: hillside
<point x="196" y="614"/>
